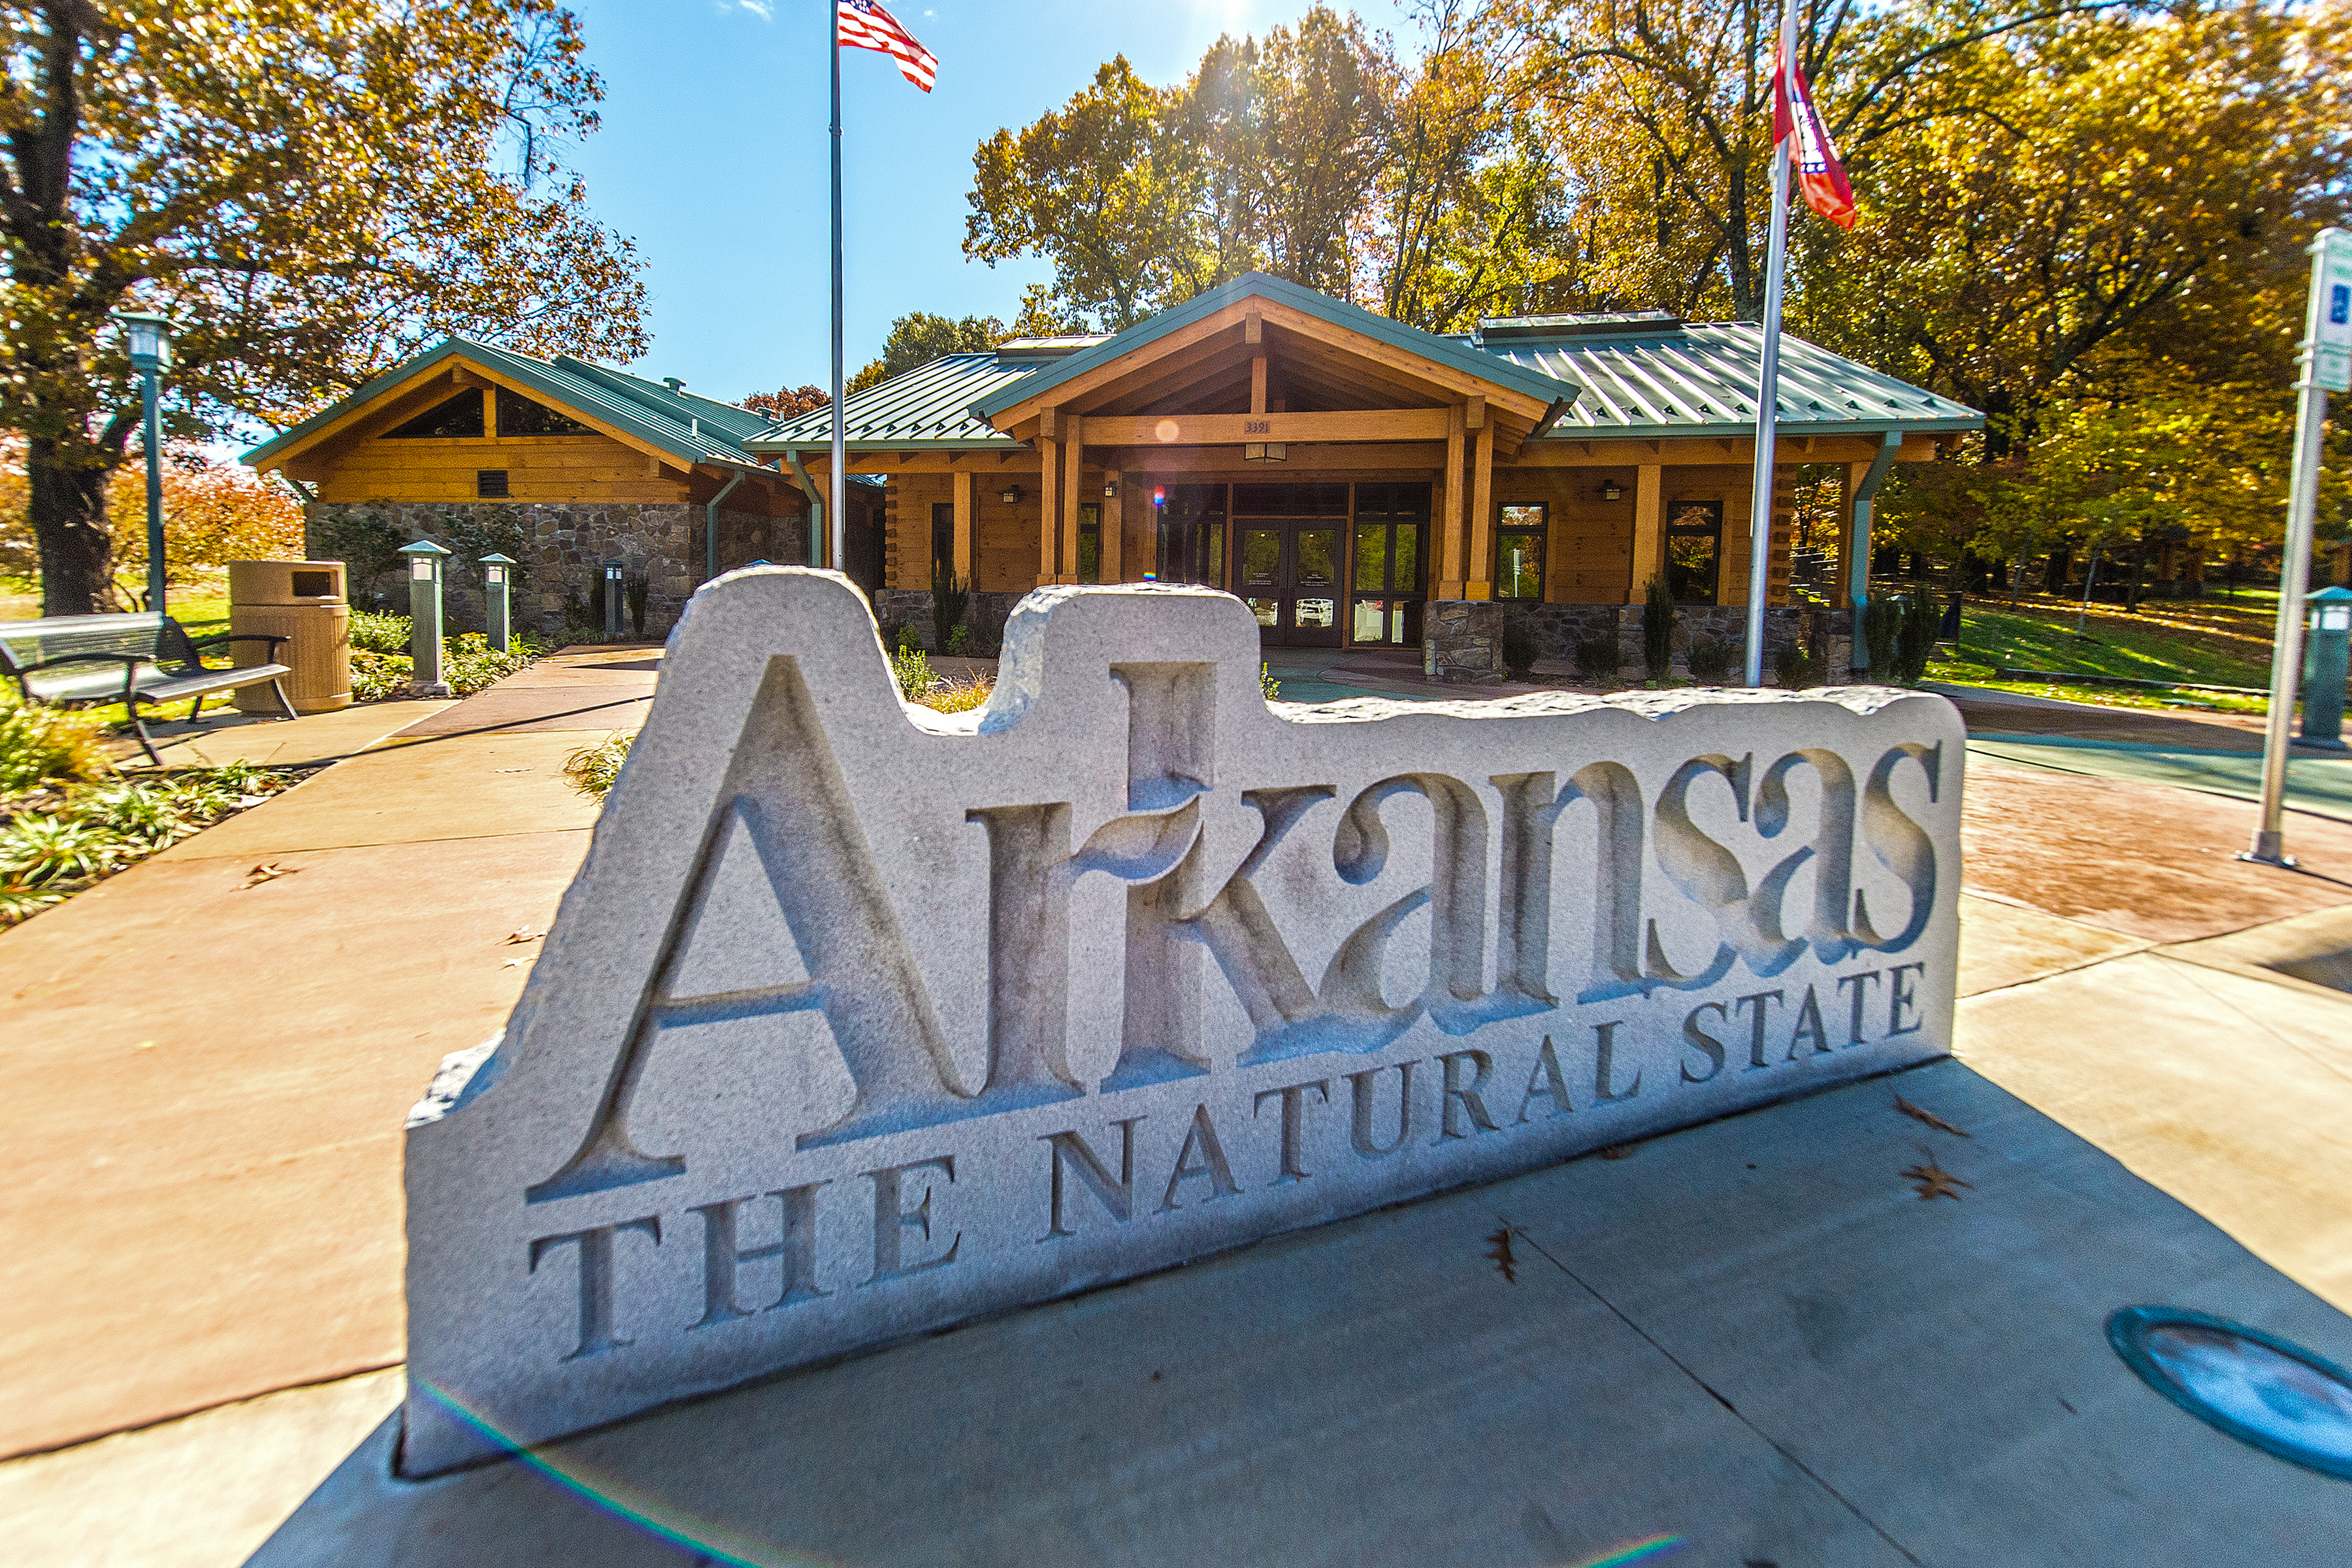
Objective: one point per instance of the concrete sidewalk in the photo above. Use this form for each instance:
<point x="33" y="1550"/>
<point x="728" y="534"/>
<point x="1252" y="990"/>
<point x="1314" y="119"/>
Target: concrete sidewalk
<point x="249" y="1045"/>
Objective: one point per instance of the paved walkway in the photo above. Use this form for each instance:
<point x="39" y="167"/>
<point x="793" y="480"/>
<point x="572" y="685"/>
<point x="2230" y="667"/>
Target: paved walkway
<point x="249" y="1052"/>
<point x="250" y="1045"/>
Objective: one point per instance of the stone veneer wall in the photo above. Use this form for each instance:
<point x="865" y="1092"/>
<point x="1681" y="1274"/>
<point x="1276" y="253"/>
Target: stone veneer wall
<point x="1463" y="638"/>
<point x="984" y="612"/>
<point x="565" y="544"/>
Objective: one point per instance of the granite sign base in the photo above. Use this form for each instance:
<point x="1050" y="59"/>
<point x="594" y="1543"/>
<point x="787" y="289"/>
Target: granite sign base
<point x="861" y="1020"/>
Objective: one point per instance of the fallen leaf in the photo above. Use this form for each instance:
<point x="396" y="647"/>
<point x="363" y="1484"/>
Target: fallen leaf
<point x="1505" y="1264"/>
<point x="269" y="872"/>
<point x="144" y="1046"/>
<point x="1929" y="1117"/>
<point x="1936" y="1182"/>
<point x="517" y="938"/>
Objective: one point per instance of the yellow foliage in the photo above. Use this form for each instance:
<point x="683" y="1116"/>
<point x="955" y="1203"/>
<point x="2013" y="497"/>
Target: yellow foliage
<point x="213" y="512"/>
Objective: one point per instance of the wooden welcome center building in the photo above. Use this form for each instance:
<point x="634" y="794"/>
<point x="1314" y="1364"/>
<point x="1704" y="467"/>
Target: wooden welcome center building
<point x="1355" y="481"/>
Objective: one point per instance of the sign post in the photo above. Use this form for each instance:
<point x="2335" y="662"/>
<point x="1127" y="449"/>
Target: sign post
<point x="2327" y="366"/>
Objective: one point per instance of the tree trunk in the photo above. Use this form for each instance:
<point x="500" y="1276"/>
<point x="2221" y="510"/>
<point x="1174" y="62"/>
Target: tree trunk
<point x="67" y="504"/>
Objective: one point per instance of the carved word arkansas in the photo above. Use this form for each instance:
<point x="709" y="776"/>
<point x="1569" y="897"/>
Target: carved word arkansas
<point x="873" y="996"/>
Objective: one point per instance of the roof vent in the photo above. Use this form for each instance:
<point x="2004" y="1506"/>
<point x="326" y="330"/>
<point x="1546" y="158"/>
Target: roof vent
<point x="1582" y="324"/>
<point x="1026" y="349"/>
<point x="675" y="382"/>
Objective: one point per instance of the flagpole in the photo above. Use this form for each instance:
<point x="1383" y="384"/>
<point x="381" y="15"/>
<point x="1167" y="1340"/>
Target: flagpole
<point x="836" y="528"/>
<point x="1767" y="393"/>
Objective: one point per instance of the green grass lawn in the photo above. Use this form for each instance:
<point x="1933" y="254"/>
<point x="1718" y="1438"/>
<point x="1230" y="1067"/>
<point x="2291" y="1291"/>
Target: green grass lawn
<point x="2110" y="645"/>
<point x="2214" y="641"/>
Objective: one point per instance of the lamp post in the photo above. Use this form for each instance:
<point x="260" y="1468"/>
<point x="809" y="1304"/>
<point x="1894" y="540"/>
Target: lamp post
<point x="150" y="341"/>
<point x="613" y="598"/>
<point x="495" y="588"/>
<point x="425" y="678"/>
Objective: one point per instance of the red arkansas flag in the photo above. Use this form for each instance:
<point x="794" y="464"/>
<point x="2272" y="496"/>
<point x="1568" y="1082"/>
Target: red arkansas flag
<point x="1819" y="173"/>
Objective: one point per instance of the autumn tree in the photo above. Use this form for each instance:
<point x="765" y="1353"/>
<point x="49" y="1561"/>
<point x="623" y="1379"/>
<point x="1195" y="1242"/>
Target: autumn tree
<point x="1143" y="197"/>
<point x="786" y="402"/>
<point x="307" y="191"/>
<point x="916" y="339"/>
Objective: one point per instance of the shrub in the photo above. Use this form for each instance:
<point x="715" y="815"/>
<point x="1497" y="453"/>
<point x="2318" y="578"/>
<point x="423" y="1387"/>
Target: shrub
<point x="1658" y="630"/>
<point x="1598" y="658"/>
<point x="1712" y="660"/>
<point x="913" y="668"/>
<point x="591" y="769"/>
<point x="1518" y="650"/>
<point x="1269" y="684"/>
<point x="959" y="645"/>
<point x="42" y="745"/>
<point x="959" y="696"/>
<point x="950" y="596"/>
<point x="1798" y="668"/>
<point x="635" y="589"/>
<point x="367" y="545"/>
<point x="379" y="633"/>
<point x="61" y="840"/>
<point x="1915" y="641"/>
<point x="1882" y="620"/>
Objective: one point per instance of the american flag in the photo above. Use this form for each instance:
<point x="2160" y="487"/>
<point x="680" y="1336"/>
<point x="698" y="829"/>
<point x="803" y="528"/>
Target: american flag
<point x="862" y="25"/>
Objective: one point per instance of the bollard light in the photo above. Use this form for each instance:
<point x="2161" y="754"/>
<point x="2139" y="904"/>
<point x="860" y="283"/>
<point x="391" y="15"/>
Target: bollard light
<point x="424" y="677"/>
<point x="612" y="596"/>
<point x="495" y="588"/>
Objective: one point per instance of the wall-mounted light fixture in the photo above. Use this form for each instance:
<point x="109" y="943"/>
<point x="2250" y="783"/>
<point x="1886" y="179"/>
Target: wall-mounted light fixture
<point x="1266" y="452"/>
<point x="1012" y="495"/>
<point x="1610" y="490"/>
<point x="1110" y="489"/>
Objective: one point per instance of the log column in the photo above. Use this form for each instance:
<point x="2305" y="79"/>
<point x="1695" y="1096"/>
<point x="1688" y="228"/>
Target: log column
<point x="1073" y="465"/>
<point x="1480" y="567"/>
<point x="1649" y="531"/>
<point x="964" y="480"/>
<point x="1049" y="498"/>
<point x="1452" y="547"/>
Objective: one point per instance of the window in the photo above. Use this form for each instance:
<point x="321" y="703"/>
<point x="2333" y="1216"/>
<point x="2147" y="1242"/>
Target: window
<point x="1519" y="553"/>
<point x="942" y="539"/>
<point x="490" y="484"/>
<point x="1190" y="523"/>
<point x="1090" y="544"/>
<point x="459" y="416"/>
<point x="1694" y="550"/>
<point x="519" y="416"/>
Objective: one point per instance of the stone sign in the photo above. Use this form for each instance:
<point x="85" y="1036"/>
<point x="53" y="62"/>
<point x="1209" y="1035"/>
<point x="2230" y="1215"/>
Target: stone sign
<point x="862" y="1019"/>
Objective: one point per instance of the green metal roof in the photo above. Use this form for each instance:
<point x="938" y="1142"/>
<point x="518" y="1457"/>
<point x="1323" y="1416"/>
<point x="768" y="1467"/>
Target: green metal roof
<point x="692" y="429"/>
<point x="1534" y="382"/>
<point x="1648" y="375"/>
<point x="1635" y="374"/>
<point x="929" y="406"/>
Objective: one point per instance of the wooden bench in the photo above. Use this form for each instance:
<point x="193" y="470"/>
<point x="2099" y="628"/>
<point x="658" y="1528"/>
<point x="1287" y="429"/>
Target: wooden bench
<point x="137" y="660"/>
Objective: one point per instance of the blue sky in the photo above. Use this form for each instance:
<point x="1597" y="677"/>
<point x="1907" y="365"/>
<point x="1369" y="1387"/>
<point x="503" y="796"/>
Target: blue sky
<point x="713" y="156"/>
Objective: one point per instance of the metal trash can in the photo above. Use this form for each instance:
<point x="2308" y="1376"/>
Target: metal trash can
<point x="303" y="600"/>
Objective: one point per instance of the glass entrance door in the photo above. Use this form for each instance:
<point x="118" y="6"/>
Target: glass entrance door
<point x="1290" y="580"/>
<point x="1386" y="590"/>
